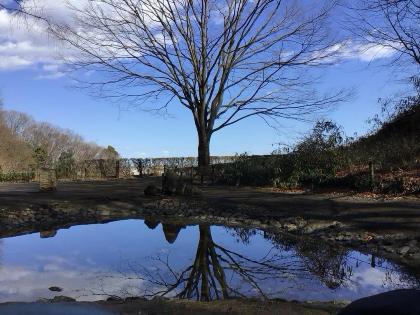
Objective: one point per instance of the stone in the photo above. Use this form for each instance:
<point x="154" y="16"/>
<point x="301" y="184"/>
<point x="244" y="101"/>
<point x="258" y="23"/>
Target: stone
<point x="192" y="191"/>
<point x="413" y="243"/>
<point x="171" y="232"/>
<point x="180" y="187"/>
<point x="416" y="257"/>
<point x="135" y="298"/>
<point x="151" y="224"/>
<point x="404" y="250"/>
<point x="62" y="298"/>
<point x="47" y="234"/>
<point x="290" y="227"/>
<point x="151" y="191"/>
<point x="169" y="183"/>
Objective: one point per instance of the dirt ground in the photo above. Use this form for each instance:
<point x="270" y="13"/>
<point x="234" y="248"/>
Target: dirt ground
<point x="374" y="215"/>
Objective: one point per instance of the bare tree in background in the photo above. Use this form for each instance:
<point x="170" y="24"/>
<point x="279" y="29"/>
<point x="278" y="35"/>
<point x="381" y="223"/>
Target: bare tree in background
<point x="20" y="128"/>
<point x="223" y="60"/>
<point x="393" y="24"/>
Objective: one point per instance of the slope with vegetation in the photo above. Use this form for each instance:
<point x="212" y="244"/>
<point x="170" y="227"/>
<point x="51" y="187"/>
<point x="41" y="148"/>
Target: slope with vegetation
<point x="26" y="145"/>
<point x="326" y="158"/>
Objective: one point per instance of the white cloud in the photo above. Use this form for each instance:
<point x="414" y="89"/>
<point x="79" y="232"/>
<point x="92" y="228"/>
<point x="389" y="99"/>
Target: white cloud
<point x="25" y="44"/>
<point x="350" y="50"/>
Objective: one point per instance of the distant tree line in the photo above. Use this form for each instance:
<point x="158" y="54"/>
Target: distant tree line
<point x="26" y="145"/>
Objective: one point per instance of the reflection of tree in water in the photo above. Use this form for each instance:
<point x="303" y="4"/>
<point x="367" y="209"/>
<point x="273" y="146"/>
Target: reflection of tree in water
<point x="334" y="265"/>
<point x="329" y="263"/>
<point x="242" y="235"/>
<point x="217" y="272"/>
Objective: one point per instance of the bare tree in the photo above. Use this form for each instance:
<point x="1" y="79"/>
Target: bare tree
<point x="223" y="60"/>
<point x="14" y="153"/>
<point x="22" y="129"/>
<point x="17" y="122"/>
<point x="391" y="24"/>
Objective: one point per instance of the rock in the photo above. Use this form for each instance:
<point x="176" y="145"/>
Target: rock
<point x="55" y="289"/>
<point x="47" y="234"/>
<point x="171" y="231"/>
<point x="180" y="187"/>
<point x="160" y="299"/>
<point x="388" y="249"/>
<point x="290" y="227"/>
<point x="151" y="224"/>
<point x="192" y="191"/>
<point x="151" y="191"/>
<point x="404" y="250"/>
<point x="416" y="257"/>
<point x="412" y="243"/>
<point x="169" y="183"/>
<point x="62" y="298"/>
<point x="135" y="298"/>
<point x="321" y="225"/>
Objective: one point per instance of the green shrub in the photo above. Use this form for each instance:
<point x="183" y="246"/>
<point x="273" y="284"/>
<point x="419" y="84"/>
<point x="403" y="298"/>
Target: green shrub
<point x="17" y="176"/>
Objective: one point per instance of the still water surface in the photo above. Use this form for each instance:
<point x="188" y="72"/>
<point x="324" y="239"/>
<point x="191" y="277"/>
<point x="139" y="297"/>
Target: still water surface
<point x="146" y="258"/>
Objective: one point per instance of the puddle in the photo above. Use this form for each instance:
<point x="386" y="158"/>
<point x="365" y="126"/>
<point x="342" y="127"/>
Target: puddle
<point x="150" y="258"/>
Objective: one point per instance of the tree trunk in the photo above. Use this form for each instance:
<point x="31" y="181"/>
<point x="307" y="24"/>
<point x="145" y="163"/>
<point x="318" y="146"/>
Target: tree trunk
<point x="203" y="152"/>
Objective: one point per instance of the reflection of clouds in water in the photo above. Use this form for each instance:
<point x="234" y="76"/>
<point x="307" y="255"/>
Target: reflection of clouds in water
<point x="366" y="281"/>
<point x="114" y="264"/>
<point x="376" y="279"/>
<point x="18" y="283"/>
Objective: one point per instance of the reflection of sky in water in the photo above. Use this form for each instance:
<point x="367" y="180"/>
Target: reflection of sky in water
<point x="88" y="261"/>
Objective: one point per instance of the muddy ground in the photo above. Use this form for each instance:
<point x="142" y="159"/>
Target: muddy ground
<point x="388" y="228"/>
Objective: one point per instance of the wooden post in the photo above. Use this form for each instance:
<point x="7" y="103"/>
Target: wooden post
<point x="371" y="174"/>
<point x="141" y="168"/>
<point x="192" y="175"/>
<point x="117" y="169"/>
<point x="163" y="182"/>
<point x="101" y="167"/>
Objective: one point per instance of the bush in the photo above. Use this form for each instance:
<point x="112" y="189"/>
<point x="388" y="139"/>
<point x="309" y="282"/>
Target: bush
<point x="17" y="176"/>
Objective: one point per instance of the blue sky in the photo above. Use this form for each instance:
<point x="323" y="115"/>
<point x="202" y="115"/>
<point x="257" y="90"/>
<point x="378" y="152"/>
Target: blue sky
<point x="31" y="82"/>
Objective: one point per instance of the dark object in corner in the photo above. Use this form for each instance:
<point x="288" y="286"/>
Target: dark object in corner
<point x="397" y="302"/>
<point x="151" y="190"/>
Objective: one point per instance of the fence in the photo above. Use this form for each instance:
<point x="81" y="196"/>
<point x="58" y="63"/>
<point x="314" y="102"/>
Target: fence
<point x="126" y="168"/>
